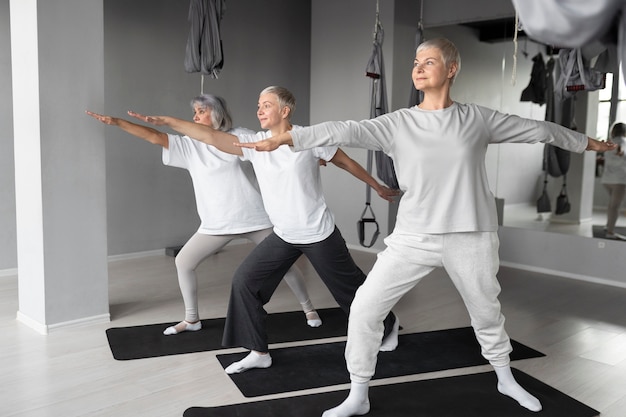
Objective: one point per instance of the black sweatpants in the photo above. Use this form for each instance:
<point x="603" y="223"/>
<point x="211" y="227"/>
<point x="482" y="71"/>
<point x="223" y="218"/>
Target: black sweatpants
<point x="260" y="273"/>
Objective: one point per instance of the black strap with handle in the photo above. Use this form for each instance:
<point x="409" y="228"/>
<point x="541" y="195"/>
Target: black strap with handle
<point x="365" y="220"/>
<point x="361" y="226"/>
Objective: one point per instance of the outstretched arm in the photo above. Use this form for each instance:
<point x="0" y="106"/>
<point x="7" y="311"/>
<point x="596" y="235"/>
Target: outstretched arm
<point x="221" y="140"/>
<point x="600" y="146"/>
<point x="144" y="132"/>
<point x="268" y="144"/>
<point x="342" y="160"/>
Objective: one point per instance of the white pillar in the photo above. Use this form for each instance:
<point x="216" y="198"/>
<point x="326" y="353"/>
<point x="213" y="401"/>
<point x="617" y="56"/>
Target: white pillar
<point x="60" y="185"/>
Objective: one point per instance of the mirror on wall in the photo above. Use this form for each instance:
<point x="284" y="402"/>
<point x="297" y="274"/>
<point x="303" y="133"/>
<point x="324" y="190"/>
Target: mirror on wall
<point x="495" y="71"/>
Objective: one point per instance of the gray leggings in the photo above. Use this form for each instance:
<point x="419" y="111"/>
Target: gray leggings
<point x="616" y="195"/>
<point x="200" y="247"/>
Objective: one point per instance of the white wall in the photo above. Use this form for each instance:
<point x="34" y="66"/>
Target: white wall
<point x="8" y="247"/>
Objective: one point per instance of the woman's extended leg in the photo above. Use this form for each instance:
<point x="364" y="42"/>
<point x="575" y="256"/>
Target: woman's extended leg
<point x="616" y="195"/>
<point x="472" y="261"/>
<point x="295" y="281"/>
<point x="197" y="249"/>
<point x="393" y="275"/>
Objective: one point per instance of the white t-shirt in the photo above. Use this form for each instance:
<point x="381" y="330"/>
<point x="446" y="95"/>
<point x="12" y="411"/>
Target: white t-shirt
<point x="439" y="157"/>
<point x="292" y="192"/>
<point x="614" y="164"/>
<point x="228" y="198"/>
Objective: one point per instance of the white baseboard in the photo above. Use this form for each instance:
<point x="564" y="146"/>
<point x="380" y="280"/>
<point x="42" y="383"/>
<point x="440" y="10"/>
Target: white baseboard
<point x="44" y="329"/>
<point x="563" y="274"/>
<point x="363" y="249"/>
<point x="135" y="255"/>
<point x="8" y="272"/>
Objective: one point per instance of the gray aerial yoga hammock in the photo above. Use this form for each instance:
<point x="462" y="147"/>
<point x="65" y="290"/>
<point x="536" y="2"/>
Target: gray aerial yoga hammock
<point x="378" y="105"/>
<point x="204" y="45"/>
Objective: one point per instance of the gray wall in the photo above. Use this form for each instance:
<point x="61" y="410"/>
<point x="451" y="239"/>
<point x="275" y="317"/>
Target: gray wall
<point x="151" y="206"/>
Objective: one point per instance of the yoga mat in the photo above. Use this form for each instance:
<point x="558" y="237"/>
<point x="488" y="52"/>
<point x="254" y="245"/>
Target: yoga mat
<point x="599" y="232"/>
<point x="313" y="366"/>
<point x="472" y="395"/>
<point x="138" y="342"/>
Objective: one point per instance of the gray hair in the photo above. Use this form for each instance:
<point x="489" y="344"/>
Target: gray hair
<point x="449" y="52"/>
<point x="285" y="98"/>
<point x="220" y="116"/>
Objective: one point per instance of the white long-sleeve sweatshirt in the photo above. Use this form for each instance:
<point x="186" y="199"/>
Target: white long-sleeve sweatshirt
<point x="439" y="157"/>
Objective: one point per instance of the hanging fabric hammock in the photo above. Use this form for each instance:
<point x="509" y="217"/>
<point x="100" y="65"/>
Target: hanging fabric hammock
<point x="417" y="96"/>
<point x="378" y="104"/>
<point x="204" y="45"/>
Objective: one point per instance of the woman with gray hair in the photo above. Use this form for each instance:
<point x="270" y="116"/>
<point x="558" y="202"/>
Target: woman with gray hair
<point x="228" y="201"/>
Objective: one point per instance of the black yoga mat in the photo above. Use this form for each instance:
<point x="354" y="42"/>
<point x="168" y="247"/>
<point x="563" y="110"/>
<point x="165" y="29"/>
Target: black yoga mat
<point x="138" y="342"/>
<point x="472" y="395"/>
<point x="599" y="232"/>
<point x="313" y="366"/>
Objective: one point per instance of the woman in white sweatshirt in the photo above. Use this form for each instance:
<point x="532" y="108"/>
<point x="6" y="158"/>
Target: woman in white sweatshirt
<point x="447" y="215"/>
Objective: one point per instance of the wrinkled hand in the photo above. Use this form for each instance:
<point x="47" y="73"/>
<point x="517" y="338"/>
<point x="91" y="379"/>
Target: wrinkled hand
<point x="261" y="146"/>
<point x="107" y="120"/>
<point x="600" y="146"/>
<point x="155" y="120"/>
<point x="387" y="193"/>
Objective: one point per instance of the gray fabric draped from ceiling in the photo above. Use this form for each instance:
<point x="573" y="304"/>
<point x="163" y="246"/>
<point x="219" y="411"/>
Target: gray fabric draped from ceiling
<point x="204" y="52"/>
<point x="417" y="96"/>
<point x="378" y="105"/>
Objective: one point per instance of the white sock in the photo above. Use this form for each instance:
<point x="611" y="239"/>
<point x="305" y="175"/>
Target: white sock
<point x="508" y="386"/>
<point x="253" y="360"/>
<point x="312" y="318"/>
<point x="356" y="404"/>
<point x="390" y="342"/>
<point x="183" y="326"/>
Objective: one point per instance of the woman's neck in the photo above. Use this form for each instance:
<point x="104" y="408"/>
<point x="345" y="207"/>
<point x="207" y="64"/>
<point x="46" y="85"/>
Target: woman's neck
<point x="436" y="99"/>
<point x="280" y="128"/>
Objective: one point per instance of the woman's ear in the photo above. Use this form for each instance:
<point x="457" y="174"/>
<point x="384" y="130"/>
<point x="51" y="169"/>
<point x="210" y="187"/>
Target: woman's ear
<point x="452" y="70"/>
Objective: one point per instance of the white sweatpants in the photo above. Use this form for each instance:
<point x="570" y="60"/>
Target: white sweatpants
<point x="470" y="259"/>
<point x="201" y="246"/>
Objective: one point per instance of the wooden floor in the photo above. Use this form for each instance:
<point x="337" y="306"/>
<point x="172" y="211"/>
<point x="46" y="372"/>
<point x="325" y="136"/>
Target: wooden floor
<point x="581" y="327"/>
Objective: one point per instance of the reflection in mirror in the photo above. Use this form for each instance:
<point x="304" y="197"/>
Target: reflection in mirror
<point x="494" y="75"/>
<point x="611" y="110"/>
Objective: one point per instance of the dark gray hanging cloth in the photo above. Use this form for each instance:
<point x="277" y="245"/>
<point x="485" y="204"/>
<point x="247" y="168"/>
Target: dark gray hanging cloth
<point x="378" y="105"/>
<point x="417" y="96"/>
<point x="204" y="45"/>
<point x="536" y="90"/>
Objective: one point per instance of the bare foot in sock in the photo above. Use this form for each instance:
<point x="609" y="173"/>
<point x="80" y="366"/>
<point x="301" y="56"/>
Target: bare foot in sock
<point x="253" y="360"/>
<point x="183" y="326"/>
<point x="508" y="386"/>
<point x="357" y="404"/>
<point x="313" y="319"/>
<point x="390" y="342"/>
